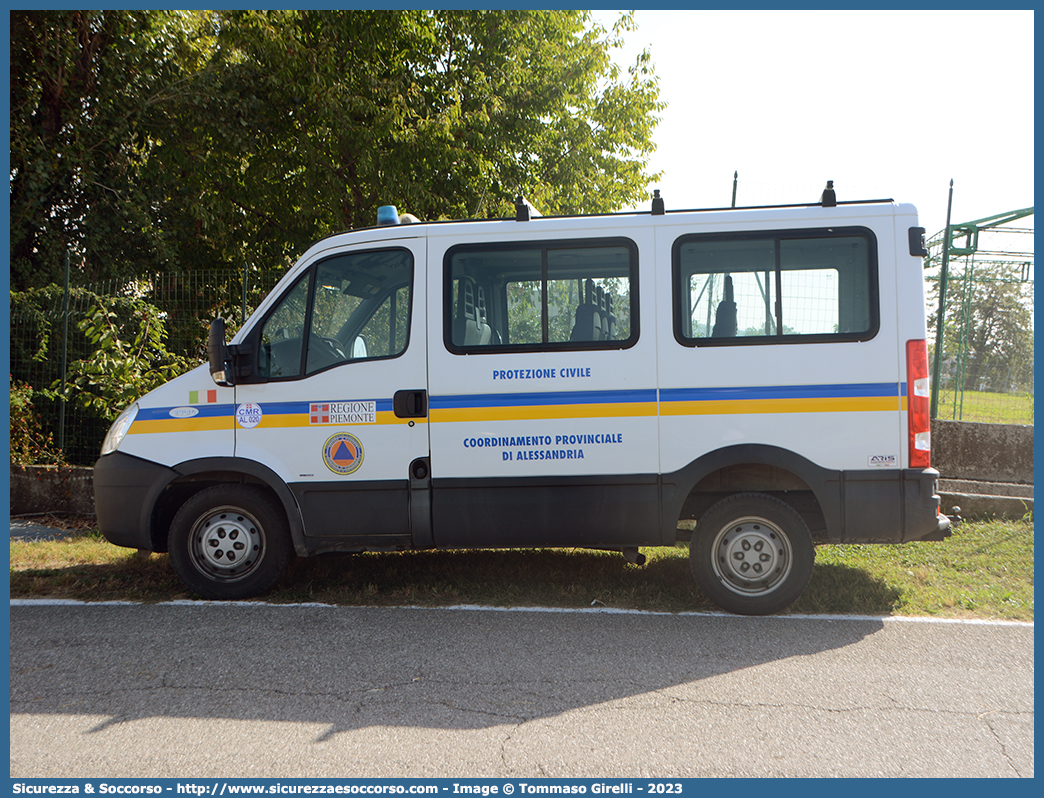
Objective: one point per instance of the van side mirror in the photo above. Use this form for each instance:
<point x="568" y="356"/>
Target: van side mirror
<point x="218" y="353"/>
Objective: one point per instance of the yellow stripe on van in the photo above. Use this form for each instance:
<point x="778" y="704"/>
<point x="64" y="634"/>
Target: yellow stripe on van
<point x="198" y="424"/>
<point x="867" y="404"/>
<point x="283" y="420"/>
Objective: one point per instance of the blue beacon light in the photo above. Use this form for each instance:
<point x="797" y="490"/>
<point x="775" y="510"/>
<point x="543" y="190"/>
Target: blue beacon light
<point x="387" y="214"/>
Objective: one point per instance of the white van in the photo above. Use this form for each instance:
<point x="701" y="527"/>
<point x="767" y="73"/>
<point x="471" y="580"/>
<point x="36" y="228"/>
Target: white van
<point x="550" y="382"/>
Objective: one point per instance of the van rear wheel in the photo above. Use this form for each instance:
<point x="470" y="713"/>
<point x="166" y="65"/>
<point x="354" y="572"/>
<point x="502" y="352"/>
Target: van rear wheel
<point x="752" y="554"/>
<point x="229" y="542"/>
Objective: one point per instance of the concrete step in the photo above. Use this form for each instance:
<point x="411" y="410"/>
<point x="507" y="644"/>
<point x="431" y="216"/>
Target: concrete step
<point x="985" y="488"/>
<point x="980" y="500"/>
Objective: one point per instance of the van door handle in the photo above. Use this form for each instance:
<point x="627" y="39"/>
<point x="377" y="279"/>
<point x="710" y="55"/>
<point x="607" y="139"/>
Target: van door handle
<point x="410" y="404"/>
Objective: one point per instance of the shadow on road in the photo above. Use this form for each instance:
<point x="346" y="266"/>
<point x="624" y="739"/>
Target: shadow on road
<point x="353" y="668"/>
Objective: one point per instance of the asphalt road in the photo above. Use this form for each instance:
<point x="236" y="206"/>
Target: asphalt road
<point x="266" y="691"/>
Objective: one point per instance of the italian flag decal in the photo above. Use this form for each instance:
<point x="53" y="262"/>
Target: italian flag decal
<point x="203" y="397"/>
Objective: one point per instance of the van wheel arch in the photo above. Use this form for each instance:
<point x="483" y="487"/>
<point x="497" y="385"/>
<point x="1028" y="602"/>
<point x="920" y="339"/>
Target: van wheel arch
<point x="196" y="475"/>
<point x="812" y="491"/>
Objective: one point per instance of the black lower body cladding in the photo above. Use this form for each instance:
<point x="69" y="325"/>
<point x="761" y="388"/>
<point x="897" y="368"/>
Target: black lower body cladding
<point x="125" y="490"/>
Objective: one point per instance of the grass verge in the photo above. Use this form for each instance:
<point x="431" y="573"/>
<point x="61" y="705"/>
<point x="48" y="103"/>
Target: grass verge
<point x="987" y="408"/>
<point x="985" y="570"/>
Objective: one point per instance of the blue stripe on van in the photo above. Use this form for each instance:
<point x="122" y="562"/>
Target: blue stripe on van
<point x="203" y="411"/>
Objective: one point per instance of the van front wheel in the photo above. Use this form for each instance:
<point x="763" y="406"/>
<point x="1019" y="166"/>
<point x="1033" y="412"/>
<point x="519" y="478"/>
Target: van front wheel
<point x="229" y="542"/>
<point x="752" y="554"/>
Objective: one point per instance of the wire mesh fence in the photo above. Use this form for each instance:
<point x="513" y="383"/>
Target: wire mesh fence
<point x="47" y="333"/>
<point x="985" y="368"/>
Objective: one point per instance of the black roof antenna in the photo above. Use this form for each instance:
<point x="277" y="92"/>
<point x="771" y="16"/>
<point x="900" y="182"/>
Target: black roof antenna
<point x="657" y="206"/>
<point x="521" y="209"/>
<point x="829" y="198"/>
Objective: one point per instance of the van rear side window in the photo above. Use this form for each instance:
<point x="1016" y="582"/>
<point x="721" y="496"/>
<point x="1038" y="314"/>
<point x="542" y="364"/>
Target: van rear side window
<point x="759" y="288"/>
<point x="542" y="296"/>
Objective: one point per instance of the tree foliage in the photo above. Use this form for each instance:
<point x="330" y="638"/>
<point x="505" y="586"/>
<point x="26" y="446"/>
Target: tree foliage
<point x="989" y="316"/>
<point x="117" y="349"/>
<point x="29" y="444"/>
<point x="130" y="357"/>
<point x="82" y="85"/>
<point x="189" y="140"/>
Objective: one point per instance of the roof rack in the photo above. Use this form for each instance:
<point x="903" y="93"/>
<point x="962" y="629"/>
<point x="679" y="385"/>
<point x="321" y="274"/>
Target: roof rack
<point x="524" y="212"/>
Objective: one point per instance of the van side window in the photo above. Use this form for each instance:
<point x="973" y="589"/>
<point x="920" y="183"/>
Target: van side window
<point x="541" y="296"/>
<point x="776" y="287"/>
<point x="358" y="309"/>
<point x="361" y="308"/>
<point x="283" y="333"/>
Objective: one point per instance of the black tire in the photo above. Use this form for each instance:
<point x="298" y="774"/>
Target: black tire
<point x="229" y="542"/>
<point x="752" y="554"/>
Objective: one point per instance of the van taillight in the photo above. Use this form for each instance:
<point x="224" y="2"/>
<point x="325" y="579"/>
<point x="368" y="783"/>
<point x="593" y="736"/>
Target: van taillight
<point x="917" y="401"/>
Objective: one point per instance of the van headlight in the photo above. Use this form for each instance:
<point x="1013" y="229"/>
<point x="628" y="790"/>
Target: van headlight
<point x="119" y="428"/>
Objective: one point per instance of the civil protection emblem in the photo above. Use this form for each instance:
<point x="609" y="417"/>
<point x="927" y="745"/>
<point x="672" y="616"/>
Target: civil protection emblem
<point x="343" y="453"/>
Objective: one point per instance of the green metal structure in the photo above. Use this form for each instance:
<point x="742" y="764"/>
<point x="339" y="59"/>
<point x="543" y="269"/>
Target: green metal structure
<point x="972" y="248"/>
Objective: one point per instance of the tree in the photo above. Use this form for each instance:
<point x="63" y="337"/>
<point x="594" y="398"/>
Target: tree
<point x="304" y="122"/>
<point x="188" y="140"/>
<point x="81" y="87"/>
<point x="989" y="316"/>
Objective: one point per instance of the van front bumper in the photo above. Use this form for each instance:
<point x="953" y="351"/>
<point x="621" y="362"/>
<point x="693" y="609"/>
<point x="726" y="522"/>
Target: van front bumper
<point x="125" y="491"/>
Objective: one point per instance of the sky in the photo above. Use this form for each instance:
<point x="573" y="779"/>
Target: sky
<point x="887" y="104"/>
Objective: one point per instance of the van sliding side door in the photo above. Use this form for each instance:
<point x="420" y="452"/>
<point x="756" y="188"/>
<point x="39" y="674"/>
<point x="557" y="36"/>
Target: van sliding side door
<point x="543" y="392"/>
